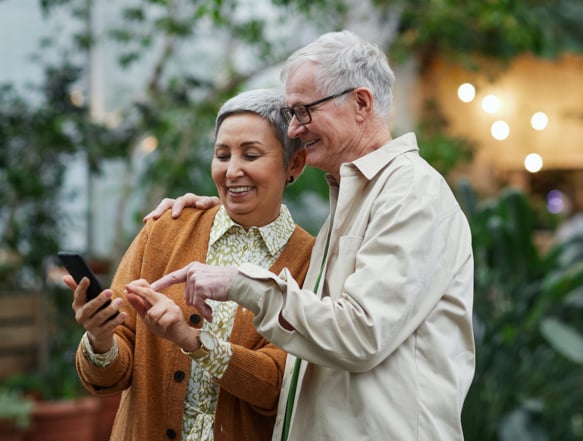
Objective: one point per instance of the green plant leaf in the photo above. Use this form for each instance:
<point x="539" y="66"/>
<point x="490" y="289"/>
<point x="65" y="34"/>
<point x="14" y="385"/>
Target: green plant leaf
<point x="520" y="425"/>
<point x="563" y="338"/>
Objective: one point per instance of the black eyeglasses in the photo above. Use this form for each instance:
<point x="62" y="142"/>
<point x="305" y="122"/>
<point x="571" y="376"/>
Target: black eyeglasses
<point x="302" y="111"/>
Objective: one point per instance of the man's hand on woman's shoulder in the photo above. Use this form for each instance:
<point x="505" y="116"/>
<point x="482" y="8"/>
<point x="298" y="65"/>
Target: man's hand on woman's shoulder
<point x="180" y="203"/>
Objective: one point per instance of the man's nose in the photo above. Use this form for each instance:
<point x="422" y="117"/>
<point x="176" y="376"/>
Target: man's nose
<point x="295" y="129"/>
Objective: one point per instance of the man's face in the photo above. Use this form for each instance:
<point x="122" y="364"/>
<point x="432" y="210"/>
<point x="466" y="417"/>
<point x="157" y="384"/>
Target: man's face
<point x="332" y="130"/>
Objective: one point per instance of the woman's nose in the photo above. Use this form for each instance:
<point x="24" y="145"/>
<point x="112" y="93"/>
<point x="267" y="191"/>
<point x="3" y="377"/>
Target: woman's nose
<point x="234" y="170"/>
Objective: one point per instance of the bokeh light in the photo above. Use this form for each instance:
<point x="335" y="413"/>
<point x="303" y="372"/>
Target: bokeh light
<point x="500" y="130"/>
<point x="466" y="92"/>
<point x="556" y="202"/>
<point x="149" y="144"/>
<point x="533" y="162"/>
<point x="539" y="121"/>
<point x="77" y="97"/>
<point x="491" y="104"/>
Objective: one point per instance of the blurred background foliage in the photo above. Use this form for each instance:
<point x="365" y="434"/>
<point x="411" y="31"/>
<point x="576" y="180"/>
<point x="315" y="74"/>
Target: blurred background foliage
<point x="528" y="318"/>
<point x="528" y="383"/>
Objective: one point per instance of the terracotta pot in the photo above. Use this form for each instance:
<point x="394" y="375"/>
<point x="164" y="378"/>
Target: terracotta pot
<point x="64" y="420"/>
<point x="9" y="432"/>
<point x="108" y="405"/>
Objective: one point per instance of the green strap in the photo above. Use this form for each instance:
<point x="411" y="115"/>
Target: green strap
<point x="294" y="379"/>
<point x="290" y="399"/>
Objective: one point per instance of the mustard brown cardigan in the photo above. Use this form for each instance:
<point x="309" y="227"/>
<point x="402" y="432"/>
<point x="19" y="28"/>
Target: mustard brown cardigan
<point x="153" y="373"/>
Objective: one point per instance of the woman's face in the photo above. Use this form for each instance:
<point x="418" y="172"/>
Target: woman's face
<point x="248" y="169"/>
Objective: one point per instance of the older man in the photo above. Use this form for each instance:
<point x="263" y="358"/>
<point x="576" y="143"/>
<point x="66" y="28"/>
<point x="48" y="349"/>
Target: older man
<point x="383" y="325"/>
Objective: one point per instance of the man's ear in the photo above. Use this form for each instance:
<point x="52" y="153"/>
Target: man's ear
<point x="364" y="103"/>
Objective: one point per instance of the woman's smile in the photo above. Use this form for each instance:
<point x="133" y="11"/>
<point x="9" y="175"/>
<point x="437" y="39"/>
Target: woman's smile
<point x="240" y="190"/>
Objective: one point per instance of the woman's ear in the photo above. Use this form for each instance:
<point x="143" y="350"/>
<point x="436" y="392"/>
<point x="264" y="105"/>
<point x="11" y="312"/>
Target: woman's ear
<point x="297" y="163"/>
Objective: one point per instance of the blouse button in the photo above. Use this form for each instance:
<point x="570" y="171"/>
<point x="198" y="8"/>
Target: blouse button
<point x="178" y="376"/>
<point x="194" y="319"/>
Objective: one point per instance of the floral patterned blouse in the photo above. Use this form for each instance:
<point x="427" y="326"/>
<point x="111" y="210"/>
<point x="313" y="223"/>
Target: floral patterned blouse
<point x="229" y="245"/>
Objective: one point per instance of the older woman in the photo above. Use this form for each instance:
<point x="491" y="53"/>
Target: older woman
<point x="182" y="379"/>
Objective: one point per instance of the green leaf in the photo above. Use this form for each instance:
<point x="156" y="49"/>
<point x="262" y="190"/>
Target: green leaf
<point x="564" y="339"/>
<point x="521" y="426"/>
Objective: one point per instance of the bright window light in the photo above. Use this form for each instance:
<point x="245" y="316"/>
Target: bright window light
<point x="533" y="162"/>
<point x="466" y="92"/>
<point x="539" y="121"/>
<point x="490" y="104"/>
<point x="500" y="130"/>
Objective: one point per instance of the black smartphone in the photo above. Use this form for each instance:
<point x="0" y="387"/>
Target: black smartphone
<point x="78" y="268"/>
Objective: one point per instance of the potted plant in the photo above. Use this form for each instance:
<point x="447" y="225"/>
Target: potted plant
<point x="61" y="409"/>
<point x="15" y="415"/>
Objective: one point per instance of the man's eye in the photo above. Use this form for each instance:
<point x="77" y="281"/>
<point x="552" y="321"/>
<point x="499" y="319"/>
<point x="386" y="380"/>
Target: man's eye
<point x="302" y="112"/>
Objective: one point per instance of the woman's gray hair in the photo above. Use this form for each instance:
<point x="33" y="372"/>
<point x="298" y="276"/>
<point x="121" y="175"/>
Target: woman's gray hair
<point x="266" y="103"/>
<point x="344" y="60"/>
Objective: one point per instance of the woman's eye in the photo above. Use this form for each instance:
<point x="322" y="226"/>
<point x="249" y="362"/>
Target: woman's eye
<point x="222" y="156"/>
<point x="251" y="156"/>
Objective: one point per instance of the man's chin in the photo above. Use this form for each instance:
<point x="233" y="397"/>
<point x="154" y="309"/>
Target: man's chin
<point x="314" y="161"/>
<point x="312" y="151"/>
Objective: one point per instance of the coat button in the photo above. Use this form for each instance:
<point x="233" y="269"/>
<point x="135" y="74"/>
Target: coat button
<point x="194" y="319"/>
<point x="170" y="433"/>
<point x="178" y="376"/>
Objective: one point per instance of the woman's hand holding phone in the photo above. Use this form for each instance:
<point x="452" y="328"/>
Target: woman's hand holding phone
<point x="93" y="308"/>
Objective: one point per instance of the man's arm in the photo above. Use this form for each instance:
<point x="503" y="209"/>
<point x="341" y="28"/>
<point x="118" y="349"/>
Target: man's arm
<point x="202" y="282"/>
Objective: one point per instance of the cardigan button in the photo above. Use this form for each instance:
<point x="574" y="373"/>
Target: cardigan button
<point x="170" y="433"/>
<point x="179" y="376"/>
<point x="194" y="319"/>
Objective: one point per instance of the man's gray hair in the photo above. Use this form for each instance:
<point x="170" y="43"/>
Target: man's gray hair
<point x="344" y="60"/>
<point x="266" y="103"/>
